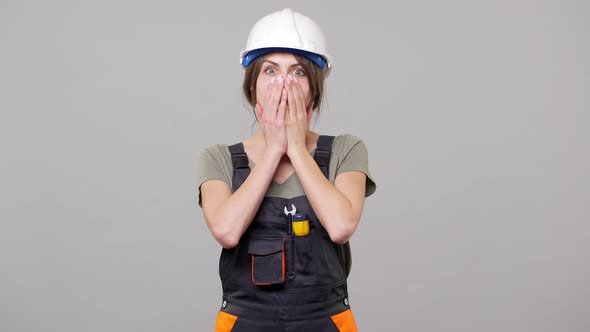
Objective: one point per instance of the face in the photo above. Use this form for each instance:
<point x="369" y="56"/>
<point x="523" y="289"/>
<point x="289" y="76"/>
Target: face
<point x="280" y="64"/>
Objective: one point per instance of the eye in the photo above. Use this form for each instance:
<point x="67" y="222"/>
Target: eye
<point x="270" y="70"/>
<point x="299" y="72"/>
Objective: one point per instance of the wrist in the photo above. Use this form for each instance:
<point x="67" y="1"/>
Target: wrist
<point x="273" y="153"/>
<point x="295" y="150"/>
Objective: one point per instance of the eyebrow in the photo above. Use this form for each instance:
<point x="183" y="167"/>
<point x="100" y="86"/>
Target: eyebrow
<point x="276" y="64"/>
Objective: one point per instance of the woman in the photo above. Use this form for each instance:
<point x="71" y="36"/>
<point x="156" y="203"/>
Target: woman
<point x="285" y="202"/>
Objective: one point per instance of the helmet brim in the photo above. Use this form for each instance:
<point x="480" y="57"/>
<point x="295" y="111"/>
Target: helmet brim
<point x="317" y="59"/>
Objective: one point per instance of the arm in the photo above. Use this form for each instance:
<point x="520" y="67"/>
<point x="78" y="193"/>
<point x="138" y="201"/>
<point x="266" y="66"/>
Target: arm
<point x="228" y="215"/>
<point x="339" y="207"/>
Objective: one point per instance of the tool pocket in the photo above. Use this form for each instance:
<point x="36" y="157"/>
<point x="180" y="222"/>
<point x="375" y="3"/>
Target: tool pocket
<point x="268" y="260"/>
<point x="304" y="271"/>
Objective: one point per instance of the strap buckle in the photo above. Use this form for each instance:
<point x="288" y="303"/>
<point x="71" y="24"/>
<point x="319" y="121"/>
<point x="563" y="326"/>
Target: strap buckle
<point x="240" y="160"/>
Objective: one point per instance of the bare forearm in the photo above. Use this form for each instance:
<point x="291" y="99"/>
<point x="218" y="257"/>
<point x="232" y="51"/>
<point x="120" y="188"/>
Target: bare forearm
<point x="232" y="218"/>
<point x="333" y="209"/>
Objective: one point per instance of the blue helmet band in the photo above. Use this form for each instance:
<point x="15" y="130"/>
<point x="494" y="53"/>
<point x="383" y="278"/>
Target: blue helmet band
<point x="315" y="58"/>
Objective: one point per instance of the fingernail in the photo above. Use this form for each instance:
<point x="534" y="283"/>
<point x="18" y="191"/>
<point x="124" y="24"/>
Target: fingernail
<point x="280" y="79"/>
<point x="284" y="92"/>
<point x="294" y="80"/>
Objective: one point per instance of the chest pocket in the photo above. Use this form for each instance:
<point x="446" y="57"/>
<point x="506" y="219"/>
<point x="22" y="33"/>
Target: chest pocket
<point x="268" y="259"/>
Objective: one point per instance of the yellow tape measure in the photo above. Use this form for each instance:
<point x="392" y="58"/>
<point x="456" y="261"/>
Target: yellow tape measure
<point x="301" y="227"/>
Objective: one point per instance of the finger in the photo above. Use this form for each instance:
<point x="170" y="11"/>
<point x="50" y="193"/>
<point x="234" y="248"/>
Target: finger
<point x="263" y="104"/>
<point x="292" y="101"/>
<point x="267" y="102"/>
<point x="282" y="107"/>
<point x="298" y="96"/>
<point x="305" y="110"/>
<point x="268" y="97"/>
<point x="259" y="112"/>
<point x="277" y="91"/>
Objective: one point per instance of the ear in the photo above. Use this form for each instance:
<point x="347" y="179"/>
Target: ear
<point x="259" y="112"/>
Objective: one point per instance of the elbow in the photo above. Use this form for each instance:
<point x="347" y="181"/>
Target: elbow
<point x="340" y="237"/>
<point x="223" y="229"/>
<point x="227" y="242"/>
<point x="225" y="237"/>
<point x="342" y="232"/>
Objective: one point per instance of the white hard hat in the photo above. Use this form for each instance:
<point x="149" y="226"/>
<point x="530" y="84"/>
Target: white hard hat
<point x="287" y="31"/>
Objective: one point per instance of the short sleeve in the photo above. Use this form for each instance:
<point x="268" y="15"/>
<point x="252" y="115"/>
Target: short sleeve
<point x="213" y="164"/>
<point x="354" y="156"/>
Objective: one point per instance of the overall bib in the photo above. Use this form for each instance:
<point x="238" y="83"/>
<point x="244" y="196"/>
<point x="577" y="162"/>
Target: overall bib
<point x="284" y="275"/>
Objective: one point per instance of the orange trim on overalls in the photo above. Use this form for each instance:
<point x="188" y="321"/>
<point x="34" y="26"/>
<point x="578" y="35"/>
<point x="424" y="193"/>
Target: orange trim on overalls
<point x="345" y="321"/>
<point x="283" y="260"/>
<point x="225" y="322"/>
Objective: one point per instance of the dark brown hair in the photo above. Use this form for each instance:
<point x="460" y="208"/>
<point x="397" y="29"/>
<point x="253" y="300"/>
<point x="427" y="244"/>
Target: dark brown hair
<point x="315" y="77"/>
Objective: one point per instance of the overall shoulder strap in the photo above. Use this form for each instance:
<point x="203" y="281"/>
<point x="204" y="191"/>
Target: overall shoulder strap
<point x="239" y="160"/>
<point x="322" y="158"/>
<point x="322" y="153"/>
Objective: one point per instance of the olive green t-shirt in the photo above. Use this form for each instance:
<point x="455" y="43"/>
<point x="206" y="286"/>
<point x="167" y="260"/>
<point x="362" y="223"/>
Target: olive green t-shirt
<point x="349" y="153"/>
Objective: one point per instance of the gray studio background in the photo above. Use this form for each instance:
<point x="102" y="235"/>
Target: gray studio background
<point x="476" y="117"/>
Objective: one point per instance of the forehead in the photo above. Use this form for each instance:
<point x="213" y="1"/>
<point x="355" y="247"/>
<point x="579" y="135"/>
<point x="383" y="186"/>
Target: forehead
<point x="281" y="58"/>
